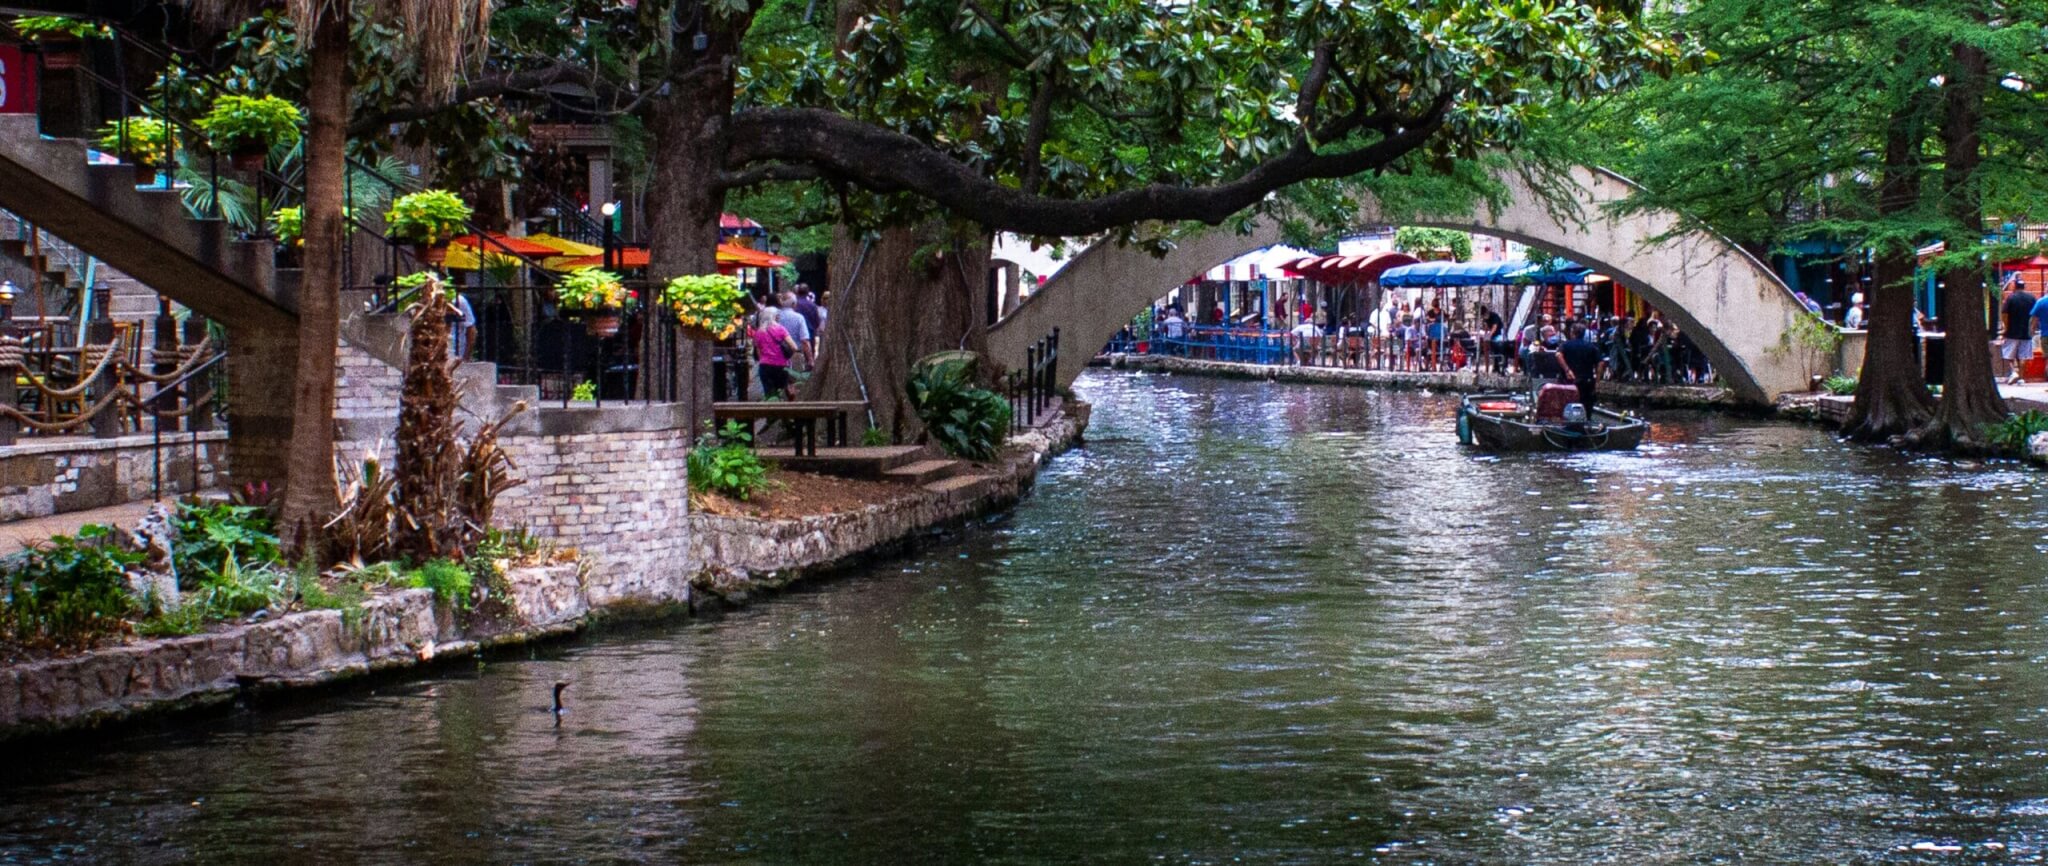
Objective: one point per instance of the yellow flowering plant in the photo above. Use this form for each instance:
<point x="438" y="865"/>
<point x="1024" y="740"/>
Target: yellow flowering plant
<point x="708" y="301"/>
<point x="594" y="289"/>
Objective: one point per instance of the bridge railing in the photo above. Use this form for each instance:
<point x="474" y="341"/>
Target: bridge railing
<point x="1365" y="349"/>
<point x="1032" y="389"/>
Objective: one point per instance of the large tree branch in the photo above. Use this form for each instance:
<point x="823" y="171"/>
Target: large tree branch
<point x="886" y="161"/>
<point x="524" y="81"/>
<point x="1035" y="132"/>
<point x="1312" y="86"/>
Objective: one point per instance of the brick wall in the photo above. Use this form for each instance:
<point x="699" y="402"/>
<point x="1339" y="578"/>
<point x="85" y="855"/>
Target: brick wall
<point x="619" y="497"/>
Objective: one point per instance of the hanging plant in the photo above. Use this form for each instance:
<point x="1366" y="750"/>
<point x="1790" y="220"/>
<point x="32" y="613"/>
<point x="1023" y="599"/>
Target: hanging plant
<point x="247" y="127"/>
<point x="427" y="219"/>
<point x="707" y="305"/>
<point x="59" y="37"/>
<point x="145" y="143"/>
<point x="289" y="223"/>
<point x="597" y="296"/>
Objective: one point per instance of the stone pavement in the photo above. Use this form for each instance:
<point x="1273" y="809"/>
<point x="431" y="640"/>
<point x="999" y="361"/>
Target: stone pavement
<point x="14" y="535"/>
<point x="2028" y="395"/>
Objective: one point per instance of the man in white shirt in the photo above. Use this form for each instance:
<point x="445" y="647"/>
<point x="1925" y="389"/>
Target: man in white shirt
<point x="1306" y="336"/>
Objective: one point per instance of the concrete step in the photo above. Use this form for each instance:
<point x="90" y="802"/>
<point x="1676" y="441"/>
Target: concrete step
<point x="857" y="462"/>
<point x="924" y="472"/>
<point x="962" y="488"/>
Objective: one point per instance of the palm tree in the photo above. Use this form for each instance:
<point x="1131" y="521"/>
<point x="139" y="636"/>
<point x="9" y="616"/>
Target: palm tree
<point x="440" y="33"/>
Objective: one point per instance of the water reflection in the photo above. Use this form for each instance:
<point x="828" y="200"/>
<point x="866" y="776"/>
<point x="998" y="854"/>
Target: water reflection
<point x="1261" y="621"/>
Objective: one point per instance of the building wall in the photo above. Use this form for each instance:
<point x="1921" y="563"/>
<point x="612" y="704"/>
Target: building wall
<point x="41" y="478"/>
<point x="620" y="496"/>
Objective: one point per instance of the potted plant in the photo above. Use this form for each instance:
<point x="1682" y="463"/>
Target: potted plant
<point x="427" y="219"/>
<point x="708" y="305"/>
<point x="61" y="39"/>
<point x="247" y="127"/>
<point x="145" y="143"/>
<point x="597" y="297"/>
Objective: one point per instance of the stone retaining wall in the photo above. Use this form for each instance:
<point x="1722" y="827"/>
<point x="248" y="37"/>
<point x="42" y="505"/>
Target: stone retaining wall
<point x="618" y="496"/>
<point x="1624" y="393"/>
<point x="39" y="478"/>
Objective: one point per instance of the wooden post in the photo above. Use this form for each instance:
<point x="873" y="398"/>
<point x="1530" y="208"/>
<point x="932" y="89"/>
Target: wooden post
<point x="201" y="416"/>
<point x="163" y="360"/>
<point x="106" y="424"/>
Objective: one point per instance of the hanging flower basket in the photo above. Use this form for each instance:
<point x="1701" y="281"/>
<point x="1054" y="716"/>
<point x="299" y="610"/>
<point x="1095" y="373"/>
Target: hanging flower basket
<point x="604" y="324"/>
<point x="248" y="160"/>
<point x="431" y="255"/>
<point x="61" y="39"/>
<point x="63" y="54"/>
<point x="707" y="306"/>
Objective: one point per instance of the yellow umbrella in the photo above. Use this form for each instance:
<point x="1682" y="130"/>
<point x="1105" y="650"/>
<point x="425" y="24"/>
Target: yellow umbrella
<point x="568" y="247"/>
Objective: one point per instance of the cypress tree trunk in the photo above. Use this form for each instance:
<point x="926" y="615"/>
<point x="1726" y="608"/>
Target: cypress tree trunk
<point x="1969" y="396"/>
<point x="309" y="483"/>
<point x="901" y="306"/>
<point x="1891" y="394"/>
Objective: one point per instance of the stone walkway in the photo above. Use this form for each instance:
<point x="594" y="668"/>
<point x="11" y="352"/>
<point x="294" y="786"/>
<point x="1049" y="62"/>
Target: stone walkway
<point x="15" y="535"/>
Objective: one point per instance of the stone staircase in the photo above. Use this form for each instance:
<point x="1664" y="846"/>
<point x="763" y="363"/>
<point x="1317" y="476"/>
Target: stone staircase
<point x="144" y="232"/>
<point x="65" y="268"/>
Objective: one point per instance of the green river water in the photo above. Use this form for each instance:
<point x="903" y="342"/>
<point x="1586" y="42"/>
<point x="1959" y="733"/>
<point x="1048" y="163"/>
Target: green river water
<point x="1249" y="622"/>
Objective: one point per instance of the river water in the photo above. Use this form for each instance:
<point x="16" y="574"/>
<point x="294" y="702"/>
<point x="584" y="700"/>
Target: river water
<point x="1256" y="622"/>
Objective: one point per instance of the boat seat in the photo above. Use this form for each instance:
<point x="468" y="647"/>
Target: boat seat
<point x="1550" y="401"/>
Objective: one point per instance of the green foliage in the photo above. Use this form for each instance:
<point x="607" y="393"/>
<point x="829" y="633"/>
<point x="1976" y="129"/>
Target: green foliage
<point x="725" y="463"/>
<point x="1415" y="239"/>
<point x="1840" y="386"/>
<point x="449" y="581"/>
<point x="147" y="140"/>
<point x="593" y="289"/>
<point x="492" y="554"/>
<point x="2012" y="434"/>
<point x="289" y="224"/>
<point x="1812" y="332"/>
<point x="966" y="420"/>
<point x="874" y="437"/>
<point x="348" y="596"/>
<point x="233" y="590"/>
<point x="241" y="124"/>
<point x="67" y="591"/>
<point x="216" y="536"/>
<point x="38" y="28"/>
<point x="584" y="392"/>
<point x="708" y="301"/>
<point x="186" y="619"/>
<point x="427" y="217"/>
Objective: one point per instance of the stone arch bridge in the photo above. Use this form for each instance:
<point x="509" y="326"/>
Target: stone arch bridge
<point x="1736" y="309"/>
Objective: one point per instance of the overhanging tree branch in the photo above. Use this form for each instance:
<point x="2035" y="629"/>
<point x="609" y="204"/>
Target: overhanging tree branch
<point x="885" y="161"/>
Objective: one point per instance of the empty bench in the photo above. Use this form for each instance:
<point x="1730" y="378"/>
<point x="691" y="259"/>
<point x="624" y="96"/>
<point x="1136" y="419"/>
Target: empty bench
<point x="804" y="415"/>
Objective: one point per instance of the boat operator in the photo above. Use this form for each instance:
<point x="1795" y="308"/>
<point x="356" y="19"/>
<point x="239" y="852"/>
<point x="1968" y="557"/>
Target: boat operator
<point x="1582" y="362"/>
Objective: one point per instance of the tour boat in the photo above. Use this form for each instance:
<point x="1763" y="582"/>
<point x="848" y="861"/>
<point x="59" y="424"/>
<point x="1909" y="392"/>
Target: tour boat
<point x="1554" y="421"/>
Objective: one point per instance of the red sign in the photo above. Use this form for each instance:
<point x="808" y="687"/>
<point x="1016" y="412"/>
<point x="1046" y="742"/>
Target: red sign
<point x="17" y="81"/>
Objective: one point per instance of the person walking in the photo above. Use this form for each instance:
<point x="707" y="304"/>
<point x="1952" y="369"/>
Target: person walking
<point x="773" y="347"/>
<point x="798" y="327"/>
<point x="2018" y="345"/>
<point x="814" y="319"/>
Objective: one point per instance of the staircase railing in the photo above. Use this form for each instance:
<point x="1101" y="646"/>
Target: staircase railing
<point x="1033" y="388"/>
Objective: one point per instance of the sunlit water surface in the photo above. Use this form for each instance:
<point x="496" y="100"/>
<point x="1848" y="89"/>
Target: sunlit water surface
<point x="1257" y="622"/>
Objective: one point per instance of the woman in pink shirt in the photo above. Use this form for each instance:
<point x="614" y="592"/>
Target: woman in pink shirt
<point x="774" y="345"/>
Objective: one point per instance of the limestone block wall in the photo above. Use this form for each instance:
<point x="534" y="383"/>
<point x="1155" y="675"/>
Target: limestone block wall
<point x="41" y="478"/>
<point x="611" y="483"/>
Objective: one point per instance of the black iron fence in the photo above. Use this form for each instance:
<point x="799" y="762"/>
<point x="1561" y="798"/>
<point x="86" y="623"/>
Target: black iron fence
<point x="1033" y="388"/>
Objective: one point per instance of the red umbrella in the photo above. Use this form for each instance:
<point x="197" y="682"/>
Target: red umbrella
<point x="499" y="242"/>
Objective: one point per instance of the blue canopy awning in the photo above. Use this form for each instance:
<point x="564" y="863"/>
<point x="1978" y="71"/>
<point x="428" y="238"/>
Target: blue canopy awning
<point x="1450" y="274"/>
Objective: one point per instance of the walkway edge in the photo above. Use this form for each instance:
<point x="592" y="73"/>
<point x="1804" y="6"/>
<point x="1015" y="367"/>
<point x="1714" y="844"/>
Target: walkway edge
<point x="1622" y="393"/>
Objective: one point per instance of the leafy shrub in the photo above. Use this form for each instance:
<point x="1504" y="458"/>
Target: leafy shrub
<point x="215" y="536"/>
<point x="584" y="392"/>
<point x="966" y="420"/>
<point x="874" y="437"/>
<point x="725" y="463"/>
<point x="68" y="590"/>
<point x="233" y="590"/>
<point x="449" y="581"/>
<point x="147" y="140"/>
<point x="188" y="618"/>
<point x="243" y="124"/>
<point x="1840" y="386"/>
<point x="2012" y="433"/>
<point x="427" y="217"/>
<point x="493" y="553"/>
<point x="289" y="223"/>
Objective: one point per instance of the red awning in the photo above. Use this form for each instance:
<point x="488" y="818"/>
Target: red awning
<point x="499" y="242"/>
<point x="2037" y="263"/>
<point x="730" y="256"/>
<point x="1349" y="269"/>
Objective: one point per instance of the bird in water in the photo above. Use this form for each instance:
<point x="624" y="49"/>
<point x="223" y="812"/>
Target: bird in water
<point x="559" y="711"/>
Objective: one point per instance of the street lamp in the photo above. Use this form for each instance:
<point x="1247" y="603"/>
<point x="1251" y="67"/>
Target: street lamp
<point x="610" y="210"/>
<point x="8" y="292"/>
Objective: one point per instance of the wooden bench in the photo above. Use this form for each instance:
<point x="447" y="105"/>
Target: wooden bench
<point x="805" y="415"/>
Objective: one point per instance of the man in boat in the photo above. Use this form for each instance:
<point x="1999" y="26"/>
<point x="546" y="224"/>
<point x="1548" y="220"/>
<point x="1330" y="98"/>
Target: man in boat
<point x="1582" y="362"/>
<point x="1542" y="362"/>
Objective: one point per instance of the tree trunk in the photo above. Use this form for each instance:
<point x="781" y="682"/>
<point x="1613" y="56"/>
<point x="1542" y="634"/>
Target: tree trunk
<point x="430" y="520"/>
<point x="891" y="308"/>
<point x="1969" y="395"/>
<point x="309" y="483"/>
<point x="690" y="143"/>
<point x="1891" y="391"/>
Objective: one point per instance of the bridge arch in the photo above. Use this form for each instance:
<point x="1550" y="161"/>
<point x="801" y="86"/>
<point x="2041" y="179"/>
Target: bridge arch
<point x="1736" y="309"/>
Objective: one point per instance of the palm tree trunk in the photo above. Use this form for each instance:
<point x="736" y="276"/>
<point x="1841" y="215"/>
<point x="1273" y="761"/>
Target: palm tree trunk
<point x="309" y="483"/>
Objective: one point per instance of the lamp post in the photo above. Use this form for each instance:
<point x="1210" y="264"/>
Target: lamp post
<point x="774" y="246"/>
<point x="610" y="210"/>
<point x="8" y="292"/>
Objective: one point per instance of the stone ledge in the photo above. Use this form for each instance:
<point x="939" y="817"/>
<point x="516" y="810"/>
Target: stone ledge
<point x="1628" y="393"/>
<point x="142" y="441"/>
